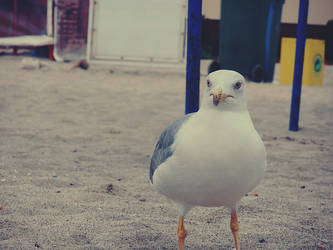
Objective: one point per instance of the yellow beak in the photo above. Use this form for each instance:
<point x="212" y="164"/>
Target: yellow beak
<point x="219" y="96"/>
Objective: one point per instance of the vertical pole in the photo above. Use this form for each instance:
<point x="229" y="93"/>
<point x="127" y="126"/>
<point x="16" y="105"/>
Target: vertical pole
<point x="193" y="56"/>
<point x="298" y="70"/>
<point x="15" y="18"/>
<point x="15" y="23"/>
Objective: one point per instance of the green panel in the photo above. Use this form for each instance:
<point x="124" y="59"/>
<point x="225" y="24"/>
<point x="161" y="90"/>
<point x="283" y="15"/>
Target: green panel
<point x="243" y="34"/>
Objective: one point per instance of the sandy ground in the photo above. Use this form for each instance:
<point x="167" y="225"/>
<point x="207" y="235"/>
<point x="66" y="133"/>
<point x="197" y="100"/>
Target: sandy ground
<point x="75" y="149"/>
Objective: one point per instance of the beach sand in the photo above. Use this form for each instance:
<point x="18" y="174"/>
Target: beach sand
<point x="75" y="150"/>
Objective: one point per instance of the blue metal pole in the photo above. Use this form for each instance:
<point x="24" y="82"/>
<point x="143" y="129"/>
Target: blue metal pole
<point x="298" y="70"/>
<point x="193" y="56"/>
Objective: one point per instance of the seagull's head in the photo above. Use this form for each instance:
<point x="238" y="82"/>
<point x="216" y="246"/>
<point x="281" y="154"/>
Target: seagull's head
<point x="225" y="90"/>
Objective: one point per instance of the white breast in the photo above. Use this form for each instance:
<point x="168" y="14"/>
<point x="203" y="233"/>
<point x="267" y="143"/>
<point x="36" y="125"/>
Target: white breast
<point x="217" y="159"/>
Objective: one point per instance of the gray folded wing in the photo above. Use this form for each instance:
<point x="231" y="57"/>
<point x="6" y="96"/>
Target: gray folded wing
<point x="163" y="147"/>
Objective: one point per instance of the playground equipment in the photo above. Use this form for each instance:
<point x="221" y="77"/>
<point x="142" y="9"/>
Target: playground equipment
<point x="193" y="60"/>
<point x="314" y="57"/>
<point x="193" y="56"/>
<point x="298" y="70"/>
<point x="249" y="37"/>
<point x="252" y="37"/>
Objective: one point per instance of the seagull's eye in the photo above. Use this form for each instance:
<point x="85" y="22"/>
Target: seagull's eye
<point x="237" y="85"/>
<point x="209" y="84"/>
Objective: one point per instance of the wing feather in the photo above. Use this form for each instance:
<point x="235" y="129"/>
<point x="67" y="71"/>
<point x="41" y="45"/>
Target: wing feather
<point x="163" y="149"/>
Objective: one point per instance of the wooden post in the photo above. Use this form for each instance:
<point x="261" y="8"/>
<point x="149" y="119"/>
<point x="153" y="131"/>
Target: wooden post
<point x="298" y="70"/>
<point x="193" y="56"/>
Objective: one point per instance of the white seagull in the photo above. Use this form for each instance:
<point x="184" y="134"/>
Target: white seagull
<point x="213" y="157"/>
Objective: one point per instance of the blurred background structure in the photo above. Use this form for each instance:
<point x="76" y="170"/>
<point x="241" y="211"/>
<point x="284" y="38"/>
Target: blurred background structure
<point x="250" y="33"/>
<point x="26" y="24"/>
<point x="248" y="41"/>
<point x="146" y="31"/>
<point x="247" y="38"/>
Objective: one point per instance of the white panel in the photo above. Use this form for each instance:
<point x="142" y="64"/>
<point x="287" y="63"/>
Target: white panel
<point x="320" y="11"/>
<point x="211" y="9"/>
<point x="139" y="30"/>
<point x="49" y="18"/>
